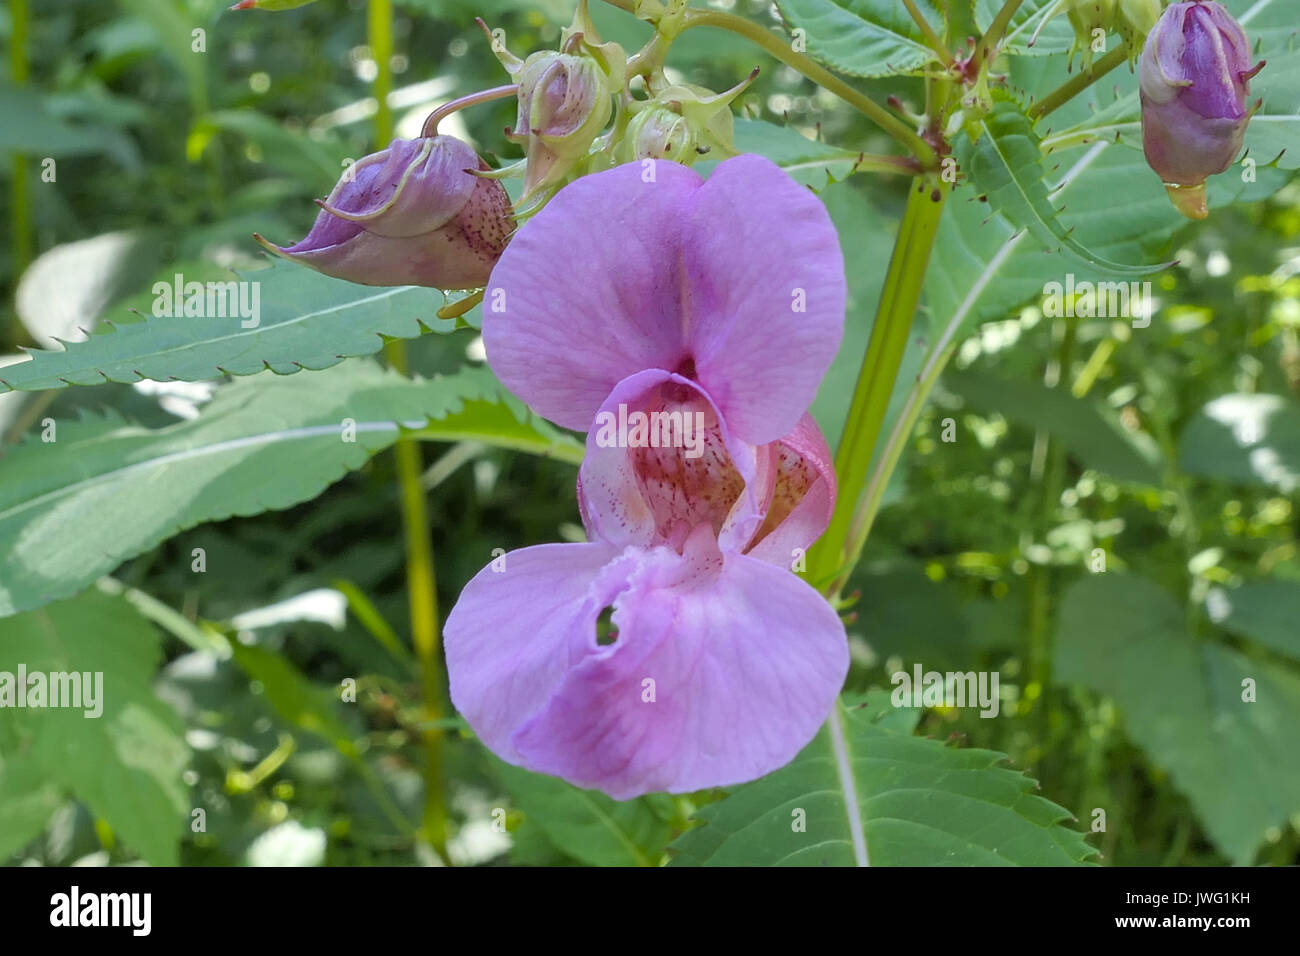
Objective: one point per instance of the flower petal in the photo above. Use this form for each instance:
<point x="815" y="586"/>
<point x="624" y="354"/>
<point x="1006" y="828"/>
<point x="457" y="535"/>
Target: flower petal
<point x="583" y="296"/>
<point x="737" y="282"/>
<point x="648" y="496"/>
<point x="717" y="676"/>
<point x="803" y="499"/>
<point x="766" y="276"/>
<point x="508" y="637"/>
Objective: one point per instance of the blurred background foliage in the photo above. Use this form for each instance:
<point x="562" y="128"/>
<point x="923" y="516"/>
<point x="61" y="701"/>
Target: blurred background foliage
<point x="168" y="159"/>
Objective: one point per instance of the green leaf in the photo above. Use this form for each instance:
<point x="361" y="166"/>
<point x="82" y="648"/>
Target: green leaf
<point x="1182" y="702"/>
<point x="1006" y="164"/>
<point x="808" y="162"/>
<point x="125" y="764"/>
<point x="305" y="320"/>
<point x="1251" y="439"/>
<point x="983" y="267"/>
<point x="315" y="164"/>
<point x="1056" y="37"/>
<point x="27" y="799"/>
<point x="1093" y="436"/>
<point x="1265" y="611"/>
<point x="862" y="37"/>
<point x="106" y="490"/>
<point x="298" y="701"/>
<point x="586" y="824"/>
<point x="917" y="803"/>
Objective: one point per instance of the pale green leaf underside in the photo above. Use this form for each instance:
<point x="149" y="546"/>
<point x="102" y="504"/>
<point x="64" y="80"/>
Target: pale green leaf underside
<point x="861" y="37"/>
<point x="126" y="764"/>
<point x="918" y="803"/>
<point x="106" y="490"/>
<point x="307" y="321"/>
<point x="807" y="161"/>
<point x="1181" y="700"/>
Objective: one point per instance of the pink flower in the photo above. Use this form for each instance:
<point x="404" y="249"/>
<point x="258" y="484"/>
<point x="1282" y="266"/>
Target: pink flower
<point x="716" y="306"/>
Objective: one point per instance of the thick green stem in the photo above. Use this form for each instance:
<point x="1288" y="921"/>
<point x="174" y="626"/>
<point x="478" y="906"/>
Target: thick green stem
<point x="421" y="582"/>
<point x="779" y="47"/>
<point x="20" y="196"/>
<point x="1079" y="82"/>
<point x="837" y="552"/>
<point x="997" y="29"/>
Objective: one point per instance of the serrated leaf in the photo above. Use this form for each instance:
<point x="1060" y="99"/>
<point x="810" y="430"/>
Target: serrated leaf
<point x="125" y="764"/>
<point x="1251" y="439"/>
<point x="1094" y="437"/>
<point x="983" y="267"/>
<point x="105" y="490"/>
<point x="307" y="321"/>
<point x="916" y="803"/>
<point x="862" y="37"/>
<point x="587" y="824"/>
<point x="1182" y="702"/>
<point x="1006" y="164"/>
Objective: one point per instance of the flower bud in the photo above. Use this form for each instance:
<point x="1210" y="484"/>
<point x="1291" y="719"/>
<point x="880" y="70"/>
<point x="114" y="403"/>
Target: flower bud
<point x="1195" y="78"/>
<point x="564" y="103"/>
<point x="682" y="123"/>
<point x="413" y="214"/>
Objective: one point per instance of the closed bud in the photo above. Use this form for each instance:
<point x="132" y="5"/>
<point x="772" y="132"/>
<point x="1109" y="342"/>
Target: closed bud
<point x="1195" y="79"/>
<point x="413" y="214"/>
<point x="564" y="104"/>
<point x="1092" y="20"/>
<point x="682" y="123"/>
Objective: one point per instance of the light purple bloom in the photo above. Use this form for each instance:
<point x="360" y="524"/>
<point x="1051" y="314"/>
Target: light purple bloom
<point x="723" y="298"/>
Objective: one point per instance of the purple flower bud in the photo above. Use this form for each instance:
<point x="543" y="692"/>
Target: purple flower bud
<point x="413" y="214"/>
<point x="564" y="103"/>
<point x="1195" y="76"/>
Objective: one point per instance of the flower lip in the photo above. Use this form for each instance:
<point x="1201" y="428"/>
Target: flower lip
<point x="643" y="488"/>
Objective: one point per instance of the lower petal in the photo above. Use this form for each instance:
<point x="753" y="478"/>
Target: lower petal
<point x="718" y="675"/>
<point x="509" y="637"/>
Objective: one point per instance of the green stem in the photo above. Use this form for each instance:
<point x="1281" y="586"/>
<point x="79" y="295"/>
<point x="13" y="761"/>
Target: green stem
<point x="997" y="29"/>
<point x="1050" y="469"/>
<point x="837" y="552"/>
<point x="1079" y="82"/>
<point x="421" y="583"/>
<point x="380" y="28"/>
<point x="20" y="185"/>
<point x="927" y="31"/>
<point x="779" y="48"/>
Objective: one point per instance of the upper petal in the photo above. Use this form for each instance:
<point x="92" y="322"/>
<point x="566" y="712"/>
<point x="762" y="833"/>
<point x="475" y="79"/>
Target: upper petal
<point x="583" y="296"/>
<point x="737" y="282"/>
<point x="717" y="676"/>
<point x="766" y="277"/>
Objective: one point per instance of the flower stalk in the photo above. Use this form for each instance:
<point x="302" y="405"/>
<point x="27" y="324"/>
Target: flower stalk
<point x="835" y="555"/>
